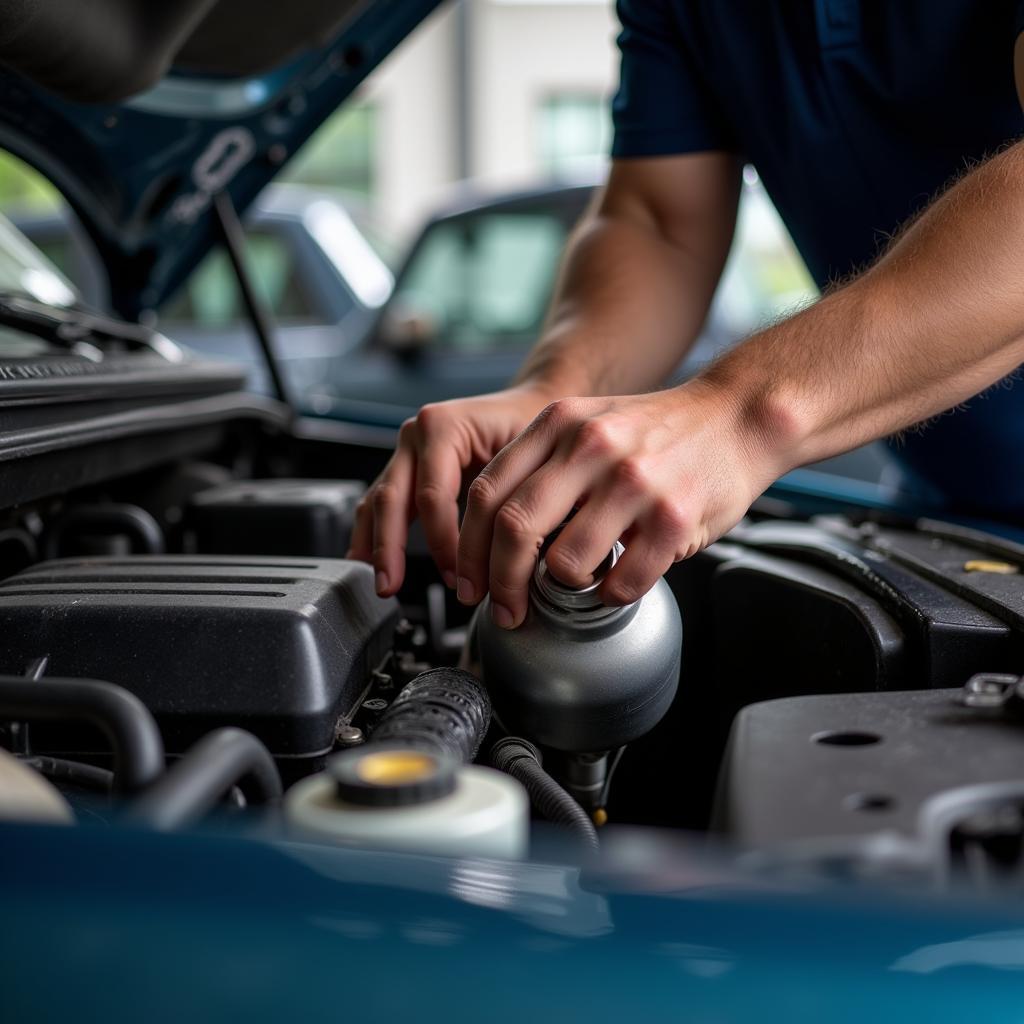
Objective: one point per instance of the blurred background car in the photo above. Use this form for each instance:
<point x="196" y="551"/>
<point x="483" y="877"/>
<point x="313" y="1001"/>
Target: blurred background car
<point x="313" y="265"/>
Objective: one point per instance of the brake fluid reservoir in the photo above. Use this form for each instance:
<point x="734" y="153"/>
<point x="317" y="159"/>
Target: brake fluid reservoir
<point x="412" y="800"/>
<point x="578" y="675"/>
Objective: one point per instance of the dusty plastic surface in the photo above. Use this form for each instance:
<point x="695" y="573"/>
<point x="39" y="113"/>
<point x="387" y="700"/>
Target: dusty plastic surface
<point x="275" y="517"/>
<point x="278" y="646"/>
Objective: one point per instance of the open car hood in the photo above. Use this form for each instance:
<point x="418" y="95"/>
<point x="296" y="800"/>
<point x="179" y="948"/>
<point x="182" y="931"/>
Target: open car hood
<point x="139" y="113"/>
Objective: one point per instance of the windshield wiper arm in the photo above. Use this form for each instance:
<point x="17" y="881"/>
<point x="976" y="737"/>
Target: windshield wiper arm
<point x="71" y="326"/>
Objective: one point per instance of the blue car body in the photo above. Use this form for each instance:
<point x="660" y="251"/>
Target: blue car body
<point x="112" y="924"/>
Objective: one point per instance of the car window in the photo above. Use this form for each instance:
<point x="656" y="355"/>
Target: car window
<point x="210" y="297"/>
<point x="483" y="280"/>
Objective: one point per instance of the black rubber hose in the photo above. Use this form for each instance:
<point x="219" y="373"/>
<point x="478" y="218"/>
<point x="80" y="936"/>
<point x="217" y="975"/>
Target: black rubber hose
<point x="521" y="760"/>
<point x="444" y="710"/>
<point x="196" y="783"/>
<point x="122" y="717"/>
<point x="137" y="523"/>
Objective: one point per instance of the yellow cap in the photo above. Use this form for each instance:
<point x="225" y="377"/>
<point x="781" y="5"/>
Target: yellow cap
<point x="984" y="565"/>
<point x="395" y="767"/>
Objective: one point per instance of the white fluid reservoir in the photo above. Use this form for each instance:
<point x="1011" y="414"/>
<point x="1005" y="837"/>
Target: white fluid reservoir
<point x="412" y="800"/>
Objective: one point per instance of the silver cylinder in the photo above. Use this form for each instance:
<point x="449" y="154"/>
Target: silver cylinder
<point x="579" y="675"/>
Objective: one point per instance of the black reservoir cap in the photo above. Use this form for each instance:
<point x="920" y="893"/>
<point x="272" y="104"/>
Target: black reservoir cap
<point x="391" y="777"/>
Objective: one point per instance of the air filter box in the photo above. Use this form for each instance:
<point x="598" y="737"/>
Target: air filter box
<point x="275" y="517"/>
<point x="279" y="646"/>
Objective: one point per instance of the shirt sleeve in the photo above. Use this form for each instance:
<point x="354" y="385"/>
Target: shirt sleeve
<point x="1018" y="53"/>
<point x="663" y="106"/>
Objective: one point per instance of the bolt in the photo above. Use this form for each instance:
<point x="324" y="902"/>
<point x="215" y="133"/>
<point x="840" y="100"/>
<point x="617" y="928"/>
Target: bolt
<point x="346" y="735"/>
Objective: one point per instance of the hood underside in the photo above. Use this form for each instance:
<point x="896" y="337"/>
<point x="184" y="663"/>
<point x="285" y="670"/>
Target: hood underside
<point x="139" y="113"/>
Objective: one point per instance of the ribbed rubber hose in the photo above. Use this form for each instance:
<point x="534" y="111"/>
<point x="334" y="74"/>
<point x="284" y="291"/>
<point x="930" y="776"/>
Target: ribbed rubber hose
<point x="445" y="710"/>
<point x="521" y="760"/>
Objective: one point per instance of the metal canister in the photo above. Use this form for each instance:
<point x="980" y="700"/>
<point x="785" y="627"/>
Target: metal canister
<point x="579" y="675"/>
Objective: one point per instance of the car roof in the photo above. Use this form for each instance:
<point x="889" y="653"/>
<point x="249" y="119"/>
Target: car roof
<point x="469" y="196"/>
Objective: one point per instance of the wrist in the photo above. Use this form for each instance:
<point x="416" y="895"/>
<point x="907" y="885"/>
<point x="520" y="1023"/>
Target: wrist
<point x="767" y="422"/>
<point x="561" y="365"/>
<point x="548" y="384"/>
<point x="534" y="394"/>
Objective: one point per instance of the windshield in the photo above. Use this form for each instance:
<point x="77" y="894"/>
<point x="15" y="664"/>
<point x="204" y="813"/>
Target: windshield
<point x="25" y="270"/>
<point x="484" y="279"/>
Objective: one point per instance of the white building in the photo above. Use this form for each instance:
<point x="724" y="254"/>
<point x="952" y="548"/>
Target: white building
<point x="511" y="92"/>
<point x="502" y="91"/>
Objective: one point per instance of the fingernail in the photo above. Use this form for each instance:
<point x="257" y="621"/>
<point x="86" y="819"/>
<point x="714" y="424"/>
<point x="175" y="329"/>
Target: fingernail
<point x="449" y="579"/>
<point x="502" y="616"/>
<point x="382" y="581"/>
<point x="464" y="589"/>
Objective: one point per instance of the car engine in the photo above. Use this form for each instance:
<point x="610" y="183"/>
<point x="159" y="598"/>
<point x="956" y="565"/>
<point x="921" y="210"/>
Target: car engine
<point x="186" y="646"/>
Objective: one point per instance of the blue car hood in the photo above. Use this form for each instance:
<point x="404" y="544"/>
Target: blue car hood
<point x="140" y="168"/>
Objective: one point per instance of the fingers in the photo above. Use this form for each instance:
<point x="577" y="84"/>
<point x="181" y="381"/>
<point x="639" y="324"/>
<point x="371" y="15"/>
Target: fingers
<point x="360" y="547"/>
<point x="438" y="480"/>
<point x="602" y="520"/>
<point x="487" y="496"/>
<point x="509" y="520"/>
<point x="382" y="520"/>
<point x="521" y="526"/>
<point x="392" y="513"/>
<point x="660" y="537"/>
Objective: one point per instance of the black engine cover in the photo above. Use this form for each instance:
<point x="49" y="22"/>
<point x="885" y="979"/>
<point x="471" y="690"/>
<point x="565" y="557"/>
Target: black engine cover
<point x="279" y="646"/>
<point x="851" y="765"/>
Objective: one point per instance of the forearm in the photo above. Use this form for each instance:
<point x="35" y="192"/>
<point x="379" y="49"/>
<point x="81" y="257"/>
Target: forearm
<point x="939" y="318"/>
<point x="638" y="277"/>
<point x="627" y="308"/>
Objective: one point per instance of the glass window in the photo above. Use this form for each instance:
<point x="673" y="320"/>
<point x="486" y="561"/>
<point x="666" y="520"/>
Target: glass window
<point x="481" y="281"/>
<point x="210" y="297"/>
<point x="574" y="130"/>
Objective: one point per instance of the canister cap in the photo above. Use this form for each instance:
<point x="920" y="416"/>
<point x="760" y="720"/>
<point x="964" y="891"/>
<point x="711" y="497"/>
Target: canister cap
<point x="583" y="601"/>
<point x="391" y="776"/>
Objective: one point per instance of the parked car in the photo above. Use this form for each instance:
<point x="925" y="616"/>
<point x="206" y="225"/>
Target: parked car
<point x="471" y="295"/>
<point x="313" y="265"/>
<point x="237" y="785"/>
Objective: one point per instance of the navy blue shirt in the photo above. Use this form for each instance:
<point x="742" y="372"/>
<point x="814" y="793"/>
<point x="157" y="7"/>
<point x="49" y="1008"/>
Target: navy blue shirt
<point x="855" y="114"/>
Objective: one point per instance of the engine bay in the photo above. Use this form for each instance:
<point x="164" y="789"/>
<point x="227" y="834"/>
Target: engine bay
<point x="187" y="645"/>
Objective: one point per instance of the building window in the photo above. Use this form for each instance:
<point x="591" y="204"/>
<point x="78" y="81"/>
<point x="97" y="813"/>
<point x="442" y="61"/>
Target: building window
<point x="341" y="154"/>
<point x="574" y="131"/>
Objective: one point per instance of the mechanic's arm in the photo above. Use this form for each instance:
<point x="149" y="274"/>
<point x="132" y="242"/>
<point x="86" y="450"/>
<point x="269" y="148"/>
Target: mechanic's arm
<point x="635" y="287"/>
<point x="936" y="320"/>
<point x="639" y="276"/>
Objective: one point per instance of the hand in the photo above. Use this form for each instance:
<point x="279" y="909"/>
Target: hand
<point x="436" y="450"/>
<point x="668" y="473"/>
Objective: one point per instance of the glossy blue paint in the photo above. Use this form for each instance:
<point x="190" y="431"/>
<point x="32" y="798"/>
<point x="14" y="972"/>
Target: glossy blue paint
<point x="140" y="174"/>
<point x="810" y="492"/>
<point x="116" y="925"/>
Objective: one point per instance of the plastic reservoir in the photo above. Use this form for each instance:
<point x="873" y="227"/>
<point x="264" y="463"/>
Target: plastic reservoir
<point x="414" y="801"/>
